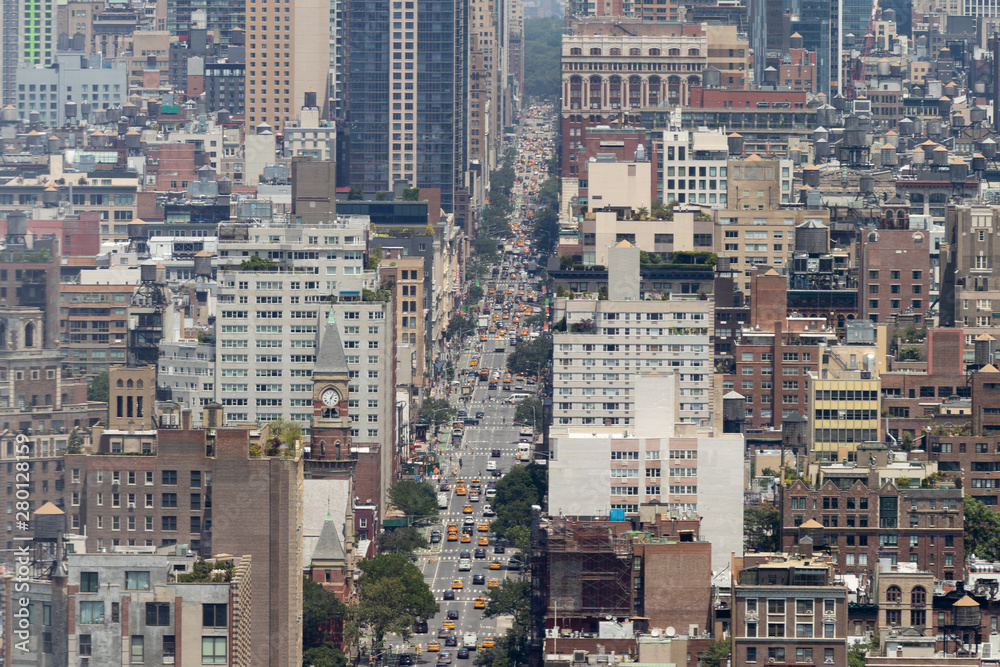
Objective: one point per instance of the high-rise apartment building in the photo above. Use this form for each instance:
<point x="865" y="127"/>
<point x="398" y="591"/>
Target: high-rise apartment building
<point x="268" y="316"/>
<point x="288" y="54"/>
<point x="485" y="105"/>
<point x="607" y="341"/>
<point x="406" y="95"/>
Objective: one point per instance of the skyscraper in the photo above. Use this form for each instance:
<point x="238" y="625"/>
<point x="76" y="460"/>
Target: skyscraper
<point x="288" y="53"/>
<point x="406" y="101"/>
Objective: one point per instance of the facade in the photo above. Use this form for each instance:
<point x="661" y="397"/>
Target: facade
<point x="864" y="520"/>
<point x="295" y="41"/>
<point x="273" y="380"/>
<point x="844" y="408"/>
<point x="593" y="369"/>
<point x="787" y="609"/>
<point x="894" y="270"/>
<point x="308" y="136"/>
<point x="405" y="276"/>
<point x="134" y="605"/>
<point x="485" y="101"/>
<point x="165" y="498"/>
<point x="418" y="136"/>
<point x="968" y="257"/>
<point x="77" y="78"/>
<point x="186" y="374"/>
<point x="93" y="325"/>
<point x="225" y="86"/>
<point x="694" y="167"/>
<point x="602" y="231"/>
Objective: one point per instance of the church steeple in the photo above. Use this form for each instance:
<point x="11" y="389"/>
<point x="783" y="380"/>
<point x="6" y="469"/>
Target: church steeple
<point x="330" y="358"/>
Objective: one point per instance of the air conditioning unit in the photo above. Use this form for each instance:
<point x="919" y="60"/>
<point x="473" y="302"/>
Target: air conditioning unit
<point x="770" y="660"/>
<point x="131" y="506"/>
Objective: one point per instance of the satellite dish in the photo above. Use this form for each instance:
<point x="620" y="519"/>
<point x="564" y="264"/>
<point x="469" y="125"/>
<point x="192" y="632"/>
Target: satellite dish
<point x="670" y="631"/>
<point x="607" y="618"/>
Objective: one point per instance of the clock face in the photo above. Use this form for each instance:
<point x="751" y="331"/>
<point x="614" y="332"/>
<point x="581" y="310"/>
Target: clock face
<point x="330" y="397"/>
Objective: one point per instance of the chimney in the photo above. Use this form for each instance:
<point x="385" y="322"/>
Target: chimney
<point x="186" y="419"/>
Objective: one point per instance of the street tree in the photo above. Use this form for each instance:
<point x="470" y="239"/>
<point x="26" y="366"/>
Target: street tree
<point x="545" y="229"/>
<point x="529" y="411"/>
<point x="761" y="528"/>
<point x="716" y="653"/>
<point x="392" y="595"/>
<point x="530" y="356"/>
<point x="320" y="608"/>
<point x="326" y="655"/>
<point x="404" y="540"/>
<point x="517" y="491"/>
<point x="416" y="500"/>
<point x="437" y="411"/>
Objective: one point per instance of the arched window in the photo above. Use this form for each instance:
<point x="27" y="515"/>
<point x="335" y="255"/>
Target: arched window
<point x="918" y="595"/>
<point x="138" y="384"/>
<point x="576" y="51"/>
<point x="336" y="448"/>
<point x="673" y="52"/>
<point x="893" y="594"/>
<point x="322" y="447"/>
<point x="634" y="91"/>
<point x="918" y="238"/>
<point x="615" y="91"/>
<point x="129" y="384"/>
<point x="3" y="335"/>
<point x="635" y="52"/>
<point x="654" y="91"/>
<point x="694" y="81"/>
<point x="873" y="237"/>
<point x="119" y="384"/>
<point x="694" y="52"/>
<point x="654" y="52"/>
<point x="616" y="52"/>
<point x="595" y="52"/>
<point x="29" y="335"/>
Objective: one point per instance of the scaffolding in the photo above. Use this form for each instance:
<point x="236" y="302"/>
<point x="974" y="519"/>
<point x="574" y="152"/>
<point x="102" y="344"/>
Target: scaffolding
<point x="589" y="570"/>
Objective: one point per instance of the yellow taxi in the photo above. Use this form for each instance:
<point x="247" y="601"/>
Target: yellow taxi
<point x="484" y="527"/>
<point x="495" y="564"/>
<point x="474" y="362"/>
<point x="488" y="642"/>
<point x="448" y="624"/>
<point x="493" y="583"/>
<point x="453" y="536"/>
<point x="482" y="338"/>
<point x="433" y="646"/>
<point x="477" y="483"/>
<point x="479" y="603"/>
<point x="484" y="542"/>
<point x="460" y="489"/>
<point x="457" y="584"/>
<point x="467" y="509"/>
<point x="466" y="539"/>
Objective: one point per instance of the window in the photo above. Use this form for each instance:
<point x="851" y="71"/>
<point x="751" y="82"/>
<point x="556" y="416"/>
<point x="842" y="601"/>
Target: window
<point x="918" y="596"/>
<point x="803" y="655"/>
<point x="213" y="649"/>
<point x="751" y="654"/>
<point x="214" y="615"/>
<point x="776" y="606"/>
<point x="803" y="630"/>
<point x="157" y="613"/>
<point x="137" y="581"/>
<point x="91" y="612"/>
<point x="893" y="617"/>
<point x="88" y="582"/>
<point x="169" y="648"/>
<point x="137" y="650"/>
<point x="775" y="629"/>
<point x="804" y="607"/>
<point x="169" y="477"/>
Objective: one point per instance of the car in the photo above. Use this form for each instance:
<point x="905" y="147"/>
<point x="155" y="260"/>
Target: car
<point x="467" y="509"/>
<point x="495" y="564"/>
<point x="405" y="660"/>
<point x="443" y="632"/>
<point x="495" y="453"/>
<point x="514" y="564"/>
<point x="499" y="549"/>
<point x="453" y="614"/>
<point x="466" y="539"/>
<point x="488" y="642"/>
<point x="462" y="414"/>
<point x="484" y="527"/>
<point x="468" y="521"/>
<point x="491" y="465"/>
<point x="464" y="554"/>
<point x="484" y="541"/>
<point x="480" y="414"/>
<point x="448" y="624"/>
<point x="478" y="580"/>
<point x="463" y="654"/>
<point x="457" y="584"/>
<point x="451" y="640"/>
<point x="443" y="487"/>
<point x="488" y="511"/>
<point x="467" y="530"/>
<point x="444" y="659"/>
<point x="452" y="535"/>
<point x="497" y="473"/>
<point x="460" y="490"/>
<point x="479" y="603"/>
<point x="435" y="538"/>
<point x="473" y="497"/>
<point x="480" y="553"/>
<point x="493" y="583"/>
<point x="491" y="493"/>
<point x="449" y="595"/>
<point x="433" y="646"/>
<point x="420" y="627"/>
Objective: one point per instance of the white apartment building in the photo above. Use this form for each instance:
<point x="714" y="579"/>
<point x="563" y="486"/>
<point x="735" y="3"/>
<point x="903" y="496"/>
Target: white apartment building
<point x="267" y="319"/>
<point x="187" y="370"/>
<point x="695" y="167"/>
<point x="685" y="470"/>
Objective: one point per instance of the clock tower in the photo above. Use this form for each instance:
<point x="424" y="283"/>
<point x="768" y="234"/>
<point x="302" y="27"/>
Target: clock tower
<point x="331" y="424"/>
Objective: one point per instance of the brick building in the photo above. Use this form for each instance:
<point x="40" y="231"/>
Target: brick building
<point x="787" y="609"/>
<point x="92" y="322"/>
<point x="894" y="270"/>
<point x="861" y="521"/>
<point x="155" y="487"/>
